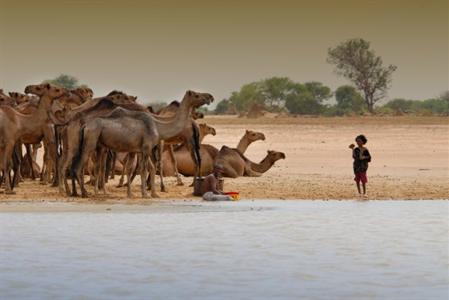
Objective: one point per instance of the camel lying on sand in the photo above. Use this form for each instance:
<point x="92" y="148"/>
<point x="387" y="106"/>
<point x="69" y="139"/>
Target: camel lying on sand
<point x="236" y="164"/>
<point x="134" y="132"/>
<point x="208" y="155"/>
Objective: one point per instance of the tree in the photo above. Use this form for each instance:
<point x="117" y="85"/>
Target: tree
<point x="248" y="95"/>
<point x="348" y="100"/>
<point x="275" y="91"/>
<point x="222" y="107"/>
<point x="319" y="91"/>
<point x="65" y="81"/>
<point x="445" y="97"/>
<point x="355" y="60"/>
<point x="302" y="101"/>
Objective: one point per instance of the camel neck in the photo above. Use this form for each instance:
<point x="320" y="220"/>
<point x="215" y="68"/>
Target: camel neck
<point x="173" y="126"/>
<point x="243" y="144"/>
<point x="38" y="117"/>
<point x="263" y="166"/>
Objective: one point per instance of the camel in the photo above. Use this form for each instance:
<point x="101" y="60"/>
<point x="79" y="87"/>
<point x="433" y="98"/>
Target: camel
<point x="72" y="122"/>
<point x="135" y="132"/>
<point x="185" y="164"/>
<point x="209" y="154"/>
<point x="30" y="129"/>
<point x="236" y="164"/>
<point x="6" y="100"/>
<point x="189" y="137"/>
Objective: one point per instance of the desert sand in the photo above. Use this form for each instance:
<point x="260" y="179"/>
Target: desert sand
<point x="410" y="161"/>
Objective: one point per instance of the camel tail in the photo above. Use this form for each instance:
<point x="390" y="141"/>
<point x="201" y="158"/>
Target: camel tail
<point x="196" y="148"/>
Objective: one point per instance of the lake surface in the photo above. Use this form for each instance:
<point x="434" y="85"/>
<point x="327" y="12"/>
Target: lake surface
<point x="238" y="250"/>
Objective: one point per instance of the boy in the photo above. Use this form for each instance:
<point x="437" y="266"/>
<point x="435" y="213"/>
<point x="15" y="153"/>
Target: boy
<point x="210" y="185"/>
<point x="361" y="158"/>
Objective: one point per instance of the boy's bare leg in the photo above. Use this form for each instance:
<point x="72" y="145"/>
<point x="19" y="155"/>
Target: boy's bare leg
<point x="364" y="189"/>
<point x="358" y="188"/>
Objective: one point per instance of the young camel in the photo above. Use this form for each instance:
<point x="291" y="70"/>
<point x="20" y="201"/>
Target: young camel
<point x="136" y="132"/>
<point x="236" y="164"/>
<point x="30" y="129"/>
<point x="209" y="154"/>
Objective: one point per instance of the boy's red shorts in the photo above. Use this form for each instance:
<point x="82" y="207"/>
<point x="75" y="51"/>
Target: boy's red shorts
<point x="361" y="177"/>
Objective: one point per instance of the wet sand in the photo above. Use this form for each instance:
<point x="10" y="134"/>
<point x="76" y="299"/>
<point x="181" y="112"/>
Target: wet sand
<point x="410" y="161"/>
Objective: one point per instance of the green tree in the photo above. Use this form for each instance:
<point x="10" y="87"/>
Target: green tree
<point x="275" y="90"/>
<point x="301" y="101"/>
<point x="355" y="60"/>
<point x="319" y="91"/>
<point x="400" y="104"/>
<point x="445" y="98"/>
<point x="65" y="81"/>
<point x="222" y="107"/>
<point x="248" y="95"/>
<point x="348" y="100"/>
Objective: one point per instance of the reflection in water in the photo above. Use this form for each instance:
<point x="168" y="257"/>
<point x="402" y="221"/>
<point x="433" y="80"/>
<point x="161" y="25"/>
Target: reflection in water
<point x="243" y="250"/>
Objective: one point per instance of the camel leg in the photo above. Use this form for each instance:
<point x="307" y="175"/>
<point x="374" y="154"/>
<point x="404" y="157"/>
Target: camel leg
<point x="143" y="174"/>
<point x="114" y="160"/>
<point x="125" y="165"/>
<point x="152" y="169"/>
<point x="104" y="172"/>
<point x="7" y="154"/>
<point x="161" y="166"/>
<point x="17" y="161"/>
<point x="175" y="165"/>
<point x="126" y="169"/>
<point x="30" y="160"/>
<point x="88" y="146"/>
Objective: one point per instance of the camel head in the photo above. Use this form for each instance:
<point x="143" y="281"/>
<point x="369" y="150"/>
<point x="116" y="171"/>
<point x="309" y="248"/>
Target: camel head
<point x="19" y="98"/>
<point x="253" y="136"/>
<point x="197" y="115"/>
<point x="5" y="100"/>
<point x="196" y="100"/>
<point x="206" y="129"/>
<point x="121" y="98"/>
<point x="274" y="156"/>
<point x="40" y="90"/>
<point x="84" y="93"/>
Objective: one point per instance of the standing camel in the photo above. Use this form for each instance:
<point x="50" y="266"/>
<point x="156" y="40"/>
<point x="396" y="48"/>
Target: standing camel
<point x="136" y="132"/>
<point x="30" y="129"/>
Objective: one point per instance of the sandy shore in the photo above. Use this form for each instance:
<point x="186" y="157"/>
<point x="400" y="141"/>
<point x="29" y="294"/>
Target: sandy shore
<point x="410" y="161"/>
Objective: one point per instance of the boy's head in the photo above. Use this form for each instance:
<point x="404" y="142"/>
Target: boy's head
<point x="361" y="140"/>
<point x="218" y="170"/>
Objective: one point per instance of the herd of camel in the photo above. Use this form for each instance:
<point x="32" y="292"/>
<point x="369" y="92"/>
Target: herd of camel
<point x="106" y="136"/>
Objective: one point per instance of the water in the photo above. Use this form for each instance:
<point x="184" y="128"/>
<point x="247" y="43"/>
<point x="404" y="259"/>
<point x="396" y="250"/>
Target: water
<point x="243" y="250"/>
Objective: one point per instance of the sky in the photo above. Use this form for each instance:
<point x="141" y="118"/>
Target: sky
<point x="157" y="50"/>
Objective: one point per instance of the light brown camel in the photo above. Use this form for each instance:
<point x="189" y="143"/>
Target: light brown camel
<point x="236" y="164"/>
<point x="6" y="100"/>
<point x="209" y="154"/>
<point x="30" y="129"/>
<point x="72" y="122"/>
<point x="185" y="164"/>
<point x="136" y="132"/>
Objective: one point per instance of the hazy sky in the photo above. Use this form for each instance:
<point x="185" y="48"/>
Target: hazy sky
<point x="158" y="49"/>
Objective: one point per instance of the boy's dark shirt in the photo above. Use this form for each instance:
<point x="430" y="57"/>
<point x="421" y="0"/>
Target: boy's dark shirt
<point x="361" y="165"/>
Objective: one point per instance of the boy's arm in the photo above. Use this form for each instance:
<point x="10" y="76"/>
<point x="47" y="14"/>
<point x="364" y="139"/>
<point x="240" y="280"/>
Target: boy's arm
<point x="366" y="155"/>
<point x="214" y="184"/>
